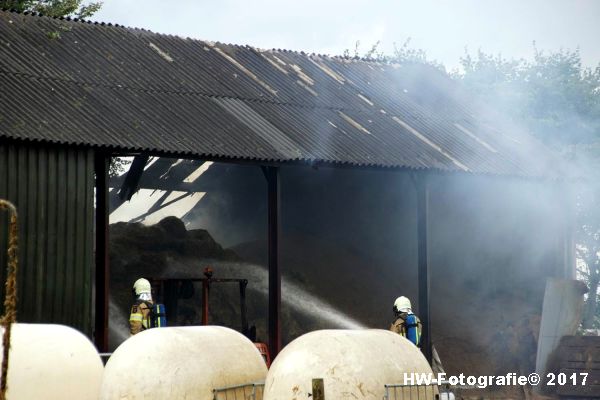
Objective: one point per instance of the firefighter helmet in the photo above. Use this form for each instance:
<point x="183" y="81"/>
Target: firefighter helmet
<point x="402" y="304"/>
<point x="142" y="286"/>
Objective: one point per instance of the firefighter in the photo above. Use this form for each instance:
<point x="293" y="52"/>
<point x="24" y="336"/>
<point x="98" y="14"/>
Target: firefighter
<point x="406" y="323"/>
<point x="139" y="318"/>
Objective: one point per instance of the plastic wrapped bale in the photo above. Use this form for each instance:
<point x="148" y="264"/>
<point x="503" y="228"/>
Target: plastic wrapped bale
<point x="353" y="364"/>
<point x="51" y="362"/>
<point x="183" y="363"/>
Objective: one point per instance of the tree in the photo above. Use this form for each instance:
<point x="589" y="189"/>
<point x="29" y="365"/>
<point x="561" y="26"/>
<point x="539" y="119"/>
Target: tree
<point x="118" y="165"/>
<point x="553" y="96"/>
<point x="54" y="8"/>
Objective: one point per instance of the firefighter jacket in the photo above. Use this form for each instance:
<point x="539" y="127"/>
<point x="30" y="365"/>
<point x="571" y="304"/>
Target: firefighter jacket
<point x="139" y="318"/>
<point x="399" y="326"/>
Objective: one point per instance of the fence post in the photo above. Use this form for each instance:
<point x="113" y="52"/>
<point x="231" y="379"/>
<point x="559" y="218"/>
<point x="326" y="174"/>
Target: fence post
<point x="318" y="389"/>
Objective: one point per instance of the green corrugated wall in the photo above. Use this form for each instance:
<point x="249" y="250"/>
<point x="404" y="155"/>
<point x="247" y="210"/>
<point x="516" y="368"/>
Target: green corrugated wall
<point x="53" y="189"/>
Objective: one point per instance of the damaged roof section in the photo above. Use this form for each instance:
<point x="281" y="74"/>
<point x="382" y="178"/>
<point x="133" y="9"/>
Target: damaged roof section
<point x="133" y="90"/>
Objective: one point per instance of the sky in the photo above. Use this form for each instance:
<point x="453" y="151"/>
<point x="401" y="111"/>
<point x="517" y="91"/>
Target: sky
<point x="444" y="29"/>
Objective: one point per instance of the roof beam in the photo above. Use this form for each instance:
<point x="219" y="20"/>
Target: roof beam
<point x="132" y="179"/>
<point x="422" y="186"/>
<point x="165" y="174"/>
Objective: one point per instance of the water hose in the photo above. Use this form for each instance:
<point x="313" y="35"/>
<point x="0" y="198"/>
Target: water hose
<point x="10" y="299"/>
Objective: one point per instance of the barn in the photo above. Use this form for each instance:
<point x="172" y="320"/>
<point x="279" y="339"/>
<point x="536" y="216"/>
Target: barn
<point x="388" y="159"/>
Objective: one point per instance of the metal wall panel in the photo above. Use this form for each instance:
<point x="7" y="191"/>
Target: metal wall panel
<point x="52" y="188"/>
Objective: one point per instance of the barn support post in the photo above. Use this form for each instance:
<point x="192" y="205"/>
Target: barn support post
<point x="205" y="300"/>
<point x="101" y="166"/>
<point x="274" y="231"/>
<point x="422" y="185"/>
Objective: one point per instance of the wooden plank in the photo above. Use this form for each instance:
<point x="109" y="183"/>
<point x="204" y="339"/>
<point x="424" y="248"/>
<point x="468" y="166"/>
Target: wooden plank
<point x="583" y="365"/>
<point x="577" y="355"/>
<point x="588" y="355"/>
<point x="580" y="341"/>
<point x="593" y="377"/>
<point x="591" y="387"/>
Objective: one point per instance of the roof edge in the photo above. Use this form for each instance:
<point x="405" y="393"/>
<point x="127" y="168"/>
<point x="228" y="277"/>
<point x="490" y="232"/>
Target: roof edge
<point x="371" y="61"/>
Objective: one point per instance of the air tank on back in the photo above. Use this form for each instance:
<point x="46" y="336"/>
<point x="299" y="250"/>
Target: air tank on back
<point x="353" y="364"/>
<point x="51" y="362"/>
<point x="182" y="363"/>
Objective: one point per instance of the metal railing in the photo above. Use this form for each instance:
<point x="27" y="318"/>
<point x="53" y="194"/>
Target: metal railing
<point x="248" y="391"/>
<point x="440" y="391"/>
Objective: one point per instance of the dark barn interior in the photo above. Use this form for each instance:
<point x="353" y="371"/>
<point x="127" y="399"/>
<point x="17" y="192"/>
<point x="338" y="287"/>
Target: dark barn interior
<point x="349" y="239"/>
<point x="337" y="184"/>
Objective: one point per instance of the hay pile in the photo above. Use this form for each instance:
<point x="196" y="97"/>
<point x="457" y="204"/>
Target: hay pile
<point x="163" y="250"/>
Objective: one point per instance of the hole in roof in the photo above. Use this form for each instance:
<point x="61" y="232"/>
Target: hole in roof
<point x="366" y="99"/>
<point x="191" y="178"/>
<point x="354" y="123"/>
<point x="160" y="52"/>
<point x="246" y="71"/>
<point x="309" y="89"/>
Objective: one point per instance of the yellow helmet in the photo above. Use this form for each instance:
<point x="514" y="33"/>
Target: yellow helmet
<point x="142" y="286"/>
<point x="402" y="304"/>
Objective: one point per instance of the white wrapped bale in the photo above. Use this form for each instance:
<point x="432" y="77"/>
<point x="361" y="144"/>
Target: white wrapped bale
<point x="51" y="362"/>
<point x="354" y="364"/>
<point x="181" y="363"/>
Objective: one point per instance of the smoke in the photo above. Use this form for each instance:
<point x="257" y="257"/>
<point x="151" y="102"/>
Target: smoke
<point x="348" y="249"/>
<point x="294" y="296"/>
<point x="557" y="99"/>
<point x="348" y="245"/>
<point x="118" y="325"/>
<point x="237" y="195"/>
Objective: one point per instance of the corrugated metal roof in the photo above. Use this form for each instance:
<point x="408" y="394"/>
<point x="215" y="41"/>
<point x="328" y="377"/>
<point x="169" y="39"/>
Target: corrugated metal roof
<point x="85" y="83"/>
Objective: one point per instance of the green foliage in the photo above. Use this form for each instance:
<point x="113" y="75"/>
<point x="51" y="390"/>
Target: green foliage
<point x="117" y="166"/>
<point x="404" y="54"/>
<point x="372" y="54"/>
<point x="556" y="98"/>
<point x="356" y="50"/>
<point x="54" y="8"/>
<point x="53" y="35"/>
